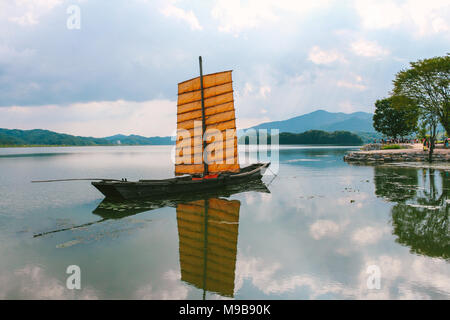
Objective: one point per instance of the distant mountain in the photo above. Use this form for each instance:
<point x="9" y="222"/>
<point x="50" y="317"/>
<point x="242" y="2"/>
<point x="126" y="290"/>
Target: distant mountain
<point x="323" y="120"/>
<point x="34" y="137"/>
<point x="46" y="137"/>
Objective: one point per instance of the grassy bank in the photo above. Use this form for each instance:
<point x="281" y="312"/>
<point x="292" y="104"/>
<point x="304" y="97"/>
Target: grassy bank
<point x="392" y="146"/>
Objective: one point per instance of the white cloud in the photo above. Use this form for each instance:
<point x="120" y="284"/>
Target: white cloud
<point x="248" y="88"/>
<point x="98" y="118"/>
<point x="10" y="55"/>
<point x="324" y="228"/>
<point x="369" y="235"/>
<point x="264" y="91"/>
<point x="247" y="122"/>
<point x="421" y="17"/>
<point x="351" y="85"/>
<point x="368" y="49"/>
<point x="28" y="13"/>
<point x="356" y="83"/>
<point x="187" y="16"/>
<point x="32" y="282"/>
<point x="235" y="16"/>
<point x="400" y="278"/>
<point x="173" y="289"/>
<point x="319" y="56"/>
<point x="348" y="107"/>
<point x="378" y="14"/>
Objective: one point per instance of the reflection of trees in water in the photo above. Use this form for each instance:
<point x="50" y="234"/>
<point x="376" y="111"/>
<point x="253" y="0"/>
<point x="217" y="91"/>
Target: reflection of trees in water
<point x="425" y="231"/>
<point x="395" y="184"/>
<point x="421" y="216"/>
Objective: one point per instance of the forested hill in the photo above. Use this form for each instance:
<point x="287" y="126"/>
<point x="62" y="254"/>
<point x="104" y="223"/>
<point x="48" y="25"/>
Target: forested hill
<point x="45" y="137"/>
<point x="35" y="137"/>
<point x="314" y="137"/>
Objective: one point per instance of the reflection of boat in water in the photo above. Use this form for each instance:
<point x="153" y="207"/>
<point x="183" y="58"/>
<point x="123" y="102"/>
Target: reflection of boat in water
<point x="208" y="234"/>
<point x="207" y="230"/>
<point x="118" y="209"/>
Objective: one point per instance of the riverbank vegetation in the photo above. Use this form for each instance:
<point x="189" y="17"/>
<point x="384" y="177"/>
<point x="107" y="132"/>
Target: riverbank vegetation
<point x="45" y="138"/>
<point x="308" y="137"/>
<point x="420" y="102"/>
<point x="391" y="146"/>
<point x="39" y="137"/>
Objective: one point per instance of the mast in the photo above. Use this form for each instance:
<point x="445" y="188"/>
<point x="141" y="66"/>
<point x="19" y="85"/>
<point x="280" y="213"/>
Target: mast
<point x="205" y="248"/>
<point x="205" y="165"/>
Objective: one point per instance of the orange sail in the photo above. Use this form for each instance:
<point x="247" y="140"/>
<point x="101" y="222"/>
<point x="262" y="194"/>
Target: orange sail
<point x="208" y="235"/>
<point x="220" y="148"/>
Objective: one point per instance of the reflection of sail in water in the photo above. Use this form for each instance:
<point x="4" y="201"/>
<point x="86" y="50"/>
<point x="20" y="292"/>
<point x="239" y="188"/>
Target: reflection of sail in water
<point x="208" y="234"/>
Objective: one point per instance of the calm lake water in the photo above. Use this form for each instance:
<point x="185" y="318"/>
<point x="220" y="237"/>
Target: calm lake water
<point x="322" y="230"/>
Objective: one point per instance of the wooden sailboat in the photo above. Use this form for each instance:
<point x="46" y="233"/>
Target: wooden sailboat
<point x="206" y="146"/>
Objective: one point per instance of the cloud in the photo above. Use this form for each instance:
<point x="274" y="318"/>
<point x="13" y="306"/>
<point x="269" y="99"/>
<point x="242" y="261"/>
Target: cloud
<point x="368" y="49"/>
<point x="264" y="91"/>
<point x="422" y="17"/>
<point x="348" y="107"/>
<point x="324" y="229"/>
<point x="33" y="282"/>
<point x="369" y="235"/>
<point x="187" y="16"/>
<point x="356" y="83"/>
<point x="97" y="119"/>
<point x="410" y="278"/>
<point x="319" y="56"/>
<point x="235" y="16"/>
<point x="28" y="13"/>
<point x="173" y="288"/>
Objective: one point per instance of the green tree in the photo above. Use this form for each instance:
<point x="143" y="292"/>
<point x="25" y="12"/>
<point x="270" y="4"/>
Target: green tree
<point x="427" y="83"/>
<point x="422" y="130"/>
<point x="395" y="121"/>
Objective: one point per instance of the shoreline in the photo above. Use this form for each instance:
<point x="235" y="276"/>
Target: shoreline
<point x="414" y="153"/>
<point x="142" y="145"/>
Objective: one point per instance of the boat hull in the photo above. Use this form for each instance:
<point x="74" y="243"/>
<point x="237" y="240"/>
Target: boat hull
<point x="175" y="186"/>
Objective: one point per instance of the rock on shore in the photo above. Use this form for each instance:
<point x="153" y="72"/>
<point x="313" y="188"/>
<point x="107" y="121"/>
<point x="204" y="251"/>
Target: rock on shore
<point x="389" y="156"/>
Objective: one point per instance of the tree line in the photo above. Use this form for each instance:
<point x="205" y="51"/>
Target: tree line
<point x="307" y="137"/>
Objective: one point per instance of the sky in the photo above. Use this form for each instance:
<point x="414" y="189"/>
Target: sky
<point x="99" y="68"/>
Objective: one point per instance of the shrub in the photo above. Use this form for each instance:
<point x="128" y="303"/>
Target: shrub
<point x="391" y="146"/>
